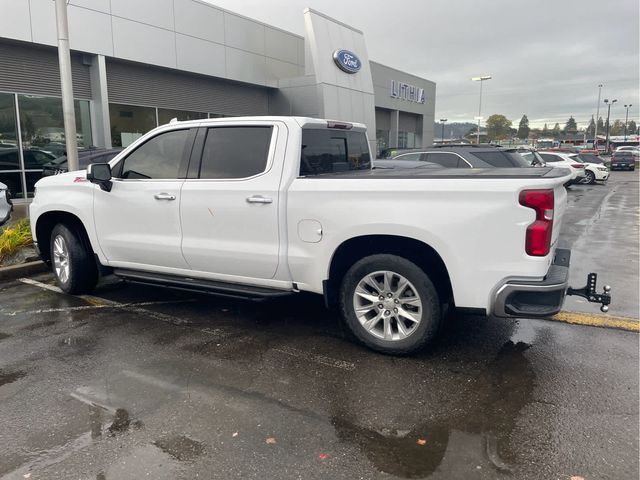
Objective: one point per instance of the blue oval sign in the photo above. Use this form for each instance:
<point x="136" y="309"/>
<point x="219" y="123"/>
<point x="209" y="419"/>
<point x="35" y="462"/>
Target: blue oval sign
<point x="347" y="61"/>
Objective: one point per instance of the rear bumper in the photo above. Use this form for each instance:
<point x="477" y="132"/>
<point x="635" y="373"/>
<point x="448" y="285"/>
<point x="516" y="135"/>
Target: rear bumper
<point x="538" y="298"/>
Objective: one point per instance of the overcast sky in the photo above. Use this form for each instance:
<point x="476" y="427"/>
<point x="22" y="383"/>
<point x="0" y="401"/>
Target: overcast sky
<point x="546" y="56"/>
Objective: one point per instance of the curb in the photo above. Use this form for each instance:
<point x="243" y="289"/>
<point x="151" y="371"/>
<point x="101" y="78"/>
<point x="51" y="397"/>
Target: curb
<point x="22" y="270"/>
<point x="595" y="320"/>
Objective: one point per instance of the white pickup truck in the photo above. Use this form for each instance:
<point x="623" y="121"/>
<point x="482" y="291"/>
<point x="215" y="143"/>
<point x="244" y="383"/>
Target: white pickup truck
<point x="268" y="206"/>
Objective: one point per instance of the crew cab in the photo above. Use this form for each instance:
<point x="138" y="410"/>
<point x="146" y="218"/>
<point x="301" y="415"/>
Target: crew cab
<point x="260" y="207"/>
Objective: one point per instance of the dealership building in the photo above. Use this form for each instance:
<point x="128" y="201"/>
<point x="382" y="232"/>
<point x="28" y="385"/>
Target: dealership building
<point x="137" y="64"/>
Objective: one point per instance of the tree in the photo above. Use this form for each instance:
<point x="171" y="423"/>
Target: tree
<point x="498" y="127"/>
<point x="545" y="131"/>
<point x="617" y="128"/>
<point x="600" y="126"/>
<point x="632" y="128"/>
<point x="523" y="128"/>
<point x="591" y="129"/>
<point x="555" y="133"/>
<point x="571" y="126"/>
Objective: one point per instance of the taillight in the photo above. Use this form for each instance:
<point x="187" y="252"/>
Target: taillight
<point x="538" y="238"/>
<point x="577" y="165"/>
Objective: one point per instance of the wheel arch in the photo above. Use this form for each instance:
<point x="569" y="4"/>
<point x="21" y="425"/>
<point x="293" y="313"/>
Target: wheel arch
<point x="46" y="223"/>
<point x="416" y="251"/>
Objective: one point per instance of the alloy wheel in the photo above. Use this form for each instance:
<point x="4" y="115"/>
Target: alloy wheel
<point x="61" y="258"/>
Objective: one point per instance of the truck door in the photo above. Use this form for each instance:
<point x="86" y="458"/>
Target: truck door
<point x="230" y="200"/>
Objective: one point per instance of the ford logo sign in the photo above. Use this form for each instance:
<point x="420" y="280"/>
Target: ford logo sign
<point x="347" y="61"/>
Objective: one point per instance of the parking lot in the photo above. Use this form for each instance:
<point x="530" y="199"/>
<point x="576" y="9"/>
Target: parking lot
<point x="136" y="381"/>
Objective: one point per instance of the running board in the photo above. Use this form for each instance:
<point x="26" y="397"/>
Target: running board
<point x="232" y="290"/>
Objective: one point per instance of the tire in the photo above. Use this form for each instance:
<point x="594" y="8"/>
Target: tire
<point x="388" y="329"/>
<point x="72" y="261"/>
<point x="590" y="178"/>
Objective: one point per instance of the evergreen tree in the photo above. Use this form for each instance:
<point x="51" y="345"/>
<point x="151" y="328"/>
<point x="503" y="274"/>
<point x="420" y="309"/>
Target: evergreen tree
<point x="545" y="131"/>
<point x="617" y="128"/>
<point x="571" y="126"/>
<point x="523" y="128"/>
<point x="591" y="129"/>
<point x="556" y="130"/>
<point x="600" y="126"/>
<point x="632" y="129"/>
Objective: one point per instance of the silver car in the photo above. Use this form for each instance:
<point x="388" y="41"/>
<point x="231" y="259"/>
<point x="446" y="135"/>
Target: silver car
<point x="5" y="204"/>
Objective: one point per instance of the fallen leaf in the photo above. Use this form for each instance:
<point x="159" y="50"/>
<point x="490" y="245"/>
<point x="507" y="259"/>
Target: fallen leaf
<point x="270" y="440"/>
<point x="235" y="434"/>
<point x="421" y="441"/>
<point x="323" y="456"/>
<point x="577" y="477"/>
<point x="27" y="475"/>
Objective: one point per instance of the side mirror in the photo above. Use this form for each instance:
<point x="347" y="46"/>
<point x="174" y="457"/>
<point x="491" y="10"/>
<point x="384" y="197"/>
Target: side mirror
<point x="100" y="174"/>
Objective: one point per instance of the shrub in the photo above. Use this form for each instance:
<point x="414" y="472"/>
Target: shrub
<point x="14" y="238"/>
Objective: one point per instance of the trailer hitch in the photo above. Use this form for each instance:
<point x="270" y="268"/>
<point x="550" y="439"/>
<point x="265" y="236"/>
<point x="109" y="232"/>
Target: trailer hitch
<point x="589" y="292"/>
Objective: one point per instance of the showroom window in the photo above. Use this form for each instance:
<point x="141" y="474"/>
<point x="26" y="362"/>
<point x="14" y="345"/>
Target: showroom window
<point x="165" y="115"/>
<point x="130" y="122"/>
<point x="382" y="140"/>
<point x="10" y="168"/>
<point x="406" y="140"/>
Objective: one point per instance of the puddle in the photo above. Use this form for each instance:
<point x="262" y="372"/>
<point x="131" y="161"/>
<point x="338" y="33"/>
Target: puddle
<point x="180" y="447"/>
<point x="10" y="377"/>
<point x="488" y="411"/>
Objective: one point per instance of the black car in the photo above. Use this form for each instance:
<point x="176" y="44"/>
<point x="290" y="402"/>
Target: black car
<point x="623" y="161"/>
<point x="85" y="157"/>
<point x="456" y="156"/>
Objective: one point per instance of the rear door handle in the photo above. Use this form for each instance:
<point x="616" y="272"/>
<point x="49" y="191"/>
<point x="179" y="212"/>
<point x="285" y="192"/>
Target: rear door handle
<point x="259" y="199"/>
<point x="164" y="196"/>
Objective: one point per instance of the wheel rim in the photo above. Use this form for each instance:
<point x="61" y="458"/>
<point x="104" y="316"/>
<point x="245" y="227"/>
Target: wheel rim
<point x="387" y="305"/>
<point x="61" y="258"/>
<point x="590" y="177"/>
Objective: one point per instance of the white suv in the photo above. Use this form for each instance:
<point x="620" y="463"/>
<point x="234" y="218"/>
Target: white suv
<point x="565" y="160"/>
<point x="5" y="204"/>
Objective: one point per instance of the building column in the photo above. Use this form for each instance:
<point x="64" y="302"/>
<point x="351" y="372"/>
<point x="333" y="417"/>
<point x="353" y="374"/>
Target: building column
<point x="393" y="131"/>
<point x="101" y="125"/>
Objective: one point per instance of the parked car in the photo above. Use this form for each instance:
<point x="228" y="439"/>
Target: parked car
<point x="261" y="207"/>
<point x="595" y="169"/>
<point x="565" y="160"/>
<point x="630" y="148"/>
<point x="456" y="156"/>
<point x="623" y="160"/>
<point x="85" y="157"/>
<point x="33" y="159"/>
<point x="6" y="205"/>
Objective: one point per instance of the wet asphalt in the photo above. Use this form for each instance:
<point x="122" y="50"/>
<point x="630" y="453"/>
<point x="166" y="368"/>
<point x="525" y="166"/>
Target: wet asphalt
<point x="137" y="382"/>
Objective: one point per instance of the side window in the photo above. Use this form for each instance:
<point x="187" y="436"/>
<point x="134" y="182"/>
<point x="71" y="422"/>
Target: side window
<point x="159" y="157"/>
<point x="331" y="151"/>
<point x="412" y="157"/>
<point x="235" y="152"/>
<point x="547" y="157"/>
<point x="447" y="160"/>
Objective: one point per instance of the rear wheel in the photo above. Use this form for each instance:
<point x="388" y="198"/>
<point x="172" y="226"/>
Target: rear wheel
<point x="390" y="304"/>
<point x="73" y="263"/>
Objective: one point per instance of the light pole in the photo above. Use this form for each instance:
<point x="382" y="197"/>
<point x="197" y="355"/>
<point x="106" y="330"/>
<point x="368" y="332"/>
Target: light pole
<point x="626" y="119"/>
<point x="480" y="79"/>
<point x="443" y="121"/>
<point x="595" y="134"/>
<point x="606" y="100"/>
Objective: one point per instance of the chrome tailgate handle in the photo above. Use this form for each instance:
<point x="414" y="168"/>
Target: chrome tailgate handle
<point x="164" y="196"/>
<point x="259" y="199"/>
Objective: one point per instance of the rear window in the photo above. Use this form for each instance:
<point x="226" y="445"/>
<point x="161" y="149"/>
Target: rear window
<point x="502" y="159"/>
<point x="331" y="151"/>
<point x="623" y="154"/>
<point x="550" y="158"/>
<point x="588" y="158"/>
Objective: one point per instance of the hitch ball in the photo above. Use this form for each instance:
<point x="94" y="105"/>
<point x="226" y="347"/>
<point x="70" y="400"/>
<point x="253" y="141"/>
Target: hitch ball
<point x="607" y="288"/>
<point x="604" y="308"/>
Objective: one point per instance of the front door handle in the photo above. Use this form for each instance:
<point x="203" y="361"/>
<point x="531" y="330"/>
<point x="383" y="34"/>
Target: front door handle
<point x="259" y="199"/>
<point x="164" y="196"/>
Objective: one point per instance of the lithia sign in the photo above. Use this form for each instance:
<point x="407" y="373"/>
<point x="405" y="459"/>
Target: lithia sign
<point x="404" y="91"/>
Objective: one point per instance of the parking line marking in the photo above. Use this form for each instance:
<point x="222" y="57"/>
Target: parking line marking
<point x="595" y="320"/>
<point x="90" y="307"/>
<point x="45" y="286"/>
<point x="321" y="359"/>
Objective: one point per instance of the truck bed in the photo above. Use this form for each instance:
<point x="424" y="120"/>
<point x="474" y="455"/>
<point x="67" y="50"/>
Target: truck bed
<point x="457" y="173"/>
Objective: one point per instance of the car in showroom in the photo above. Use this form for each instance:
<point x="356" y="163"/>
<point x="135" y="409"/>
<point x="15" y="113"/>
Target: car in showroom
<point x="565" y="160"/>
<point x="455" y="156"/>
<point x="6" y="205"/>
<point x="623" y="160"/>
<point x="85" y="157"/>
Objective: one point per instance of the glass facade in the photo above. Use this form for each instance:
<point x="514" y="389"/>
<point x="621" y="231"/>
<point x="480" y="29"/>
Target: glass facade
<point x="41" y="137"/>
<point x="382" y="140"/>
<point x="165" y="115"/>
<point x="406" y="139"/>
<point x="129" y="122"/>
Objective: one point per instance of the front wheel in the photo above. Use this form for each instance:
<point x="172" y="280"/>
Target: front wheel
<point x="73" y="264"/>
<point x="390" y="304"/>
<point x="589" y="178"/>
